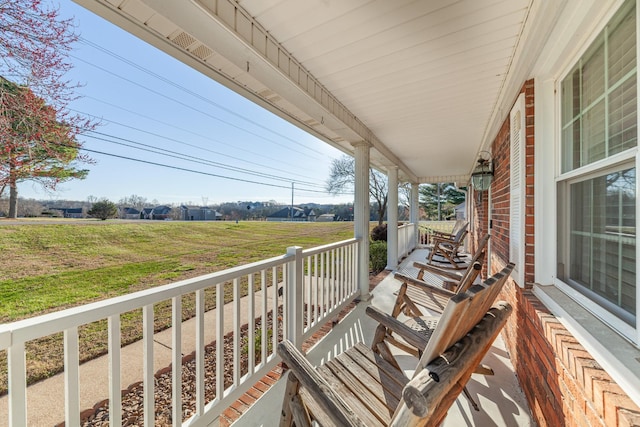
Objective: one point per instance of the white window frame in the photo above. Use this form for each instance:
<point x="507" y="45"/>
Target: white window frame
<point x="629" y="157"/>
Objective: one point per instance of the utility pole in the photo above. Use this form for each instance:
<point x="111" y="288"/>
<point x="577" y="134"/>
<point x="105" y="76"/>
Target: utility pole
<point x="292" y="201"/>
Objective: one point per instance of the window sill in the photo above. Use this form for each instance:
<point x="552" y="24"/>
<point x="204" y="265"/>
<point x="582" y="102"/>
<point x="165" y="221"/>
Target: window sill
<point x="616" y="355"/>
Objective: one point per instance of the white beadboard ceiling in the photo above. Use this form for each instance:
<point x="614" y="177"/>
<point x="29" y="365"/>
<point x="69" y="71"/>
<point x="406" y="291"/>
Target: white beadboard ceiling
<point x="426" y="82"/>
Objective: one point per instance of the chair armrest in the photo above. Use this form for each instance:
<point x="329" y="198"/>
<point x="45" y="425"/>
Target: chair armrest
<point x="424" y="286"/>
<point x="442" y="234"/>
<point x="427" y="388"/>
<point x="438" y="239"/>
<point x="448" y="273"/>
<point x="334" y="406"/>
<point x="410" y="335"/>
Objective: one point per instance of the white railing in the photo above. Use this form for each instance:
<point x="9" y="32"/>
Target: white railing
<point x="407" y="239"/>
<point x="425" y="229"/>
<point x="288" y="296"/>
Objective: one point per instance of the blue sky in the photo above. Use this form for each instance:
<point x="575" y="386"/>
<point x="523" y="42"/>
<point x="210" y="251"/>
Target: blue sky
<point x="145" y="98"/>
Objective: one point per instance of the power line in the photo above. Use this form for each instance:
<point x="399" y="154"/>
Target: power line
<point x="196" y="171"/>
<point x="190" y="92"/>
<point x="195" y="109"/>
<point x="217" y="153"/>
<point x="186" y="157"/>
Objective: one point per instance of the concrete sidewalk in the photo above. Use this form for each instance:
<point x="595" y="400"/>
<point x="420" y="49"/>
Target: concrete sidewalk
<point x="45" y="399"/>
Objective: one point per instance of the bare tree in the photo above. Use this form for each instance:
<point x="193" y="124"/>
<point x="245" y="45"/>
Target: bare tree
<point x="342" y="179"/>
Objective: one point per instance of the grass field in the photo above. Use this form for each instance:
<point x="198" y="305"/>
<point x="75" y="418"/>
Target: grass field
<point x="51" y="266"/>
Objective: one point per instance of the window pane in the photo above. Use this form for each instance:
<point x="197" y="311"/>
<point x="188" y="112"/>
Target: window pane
<point x="571" y="147"/>
<point x="593" y="135"/>
<point x="603" y="237"/>
<point x="623" y="127"/>
<point x="599" y="112"/>
<point x="571" y="97"/>
<point x="622" y="48"/>
<point x="593" y="74"/>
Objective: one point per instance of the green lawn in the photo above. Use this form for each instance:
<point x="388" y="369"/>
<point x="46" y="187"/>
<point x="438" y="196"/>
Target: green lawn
<point x="49" y="267"/>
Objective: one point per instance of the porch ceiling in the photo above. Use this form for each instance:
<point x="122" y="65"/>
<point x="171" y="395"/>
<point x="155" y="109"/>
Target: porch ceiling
<point x="425" y="82"/>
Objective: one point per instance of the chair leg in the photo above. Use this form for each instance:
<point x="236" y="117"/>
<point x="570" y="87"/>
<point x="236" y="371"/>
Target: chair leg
<point x="301" y="417"/>
<point x="397" y="307"/>
<point x="290" y="391"/>
<point x="385" y="352"/>
<point x="378" y="337"/>
<point x="483" y="370"/>
<point x="470" y="399"/>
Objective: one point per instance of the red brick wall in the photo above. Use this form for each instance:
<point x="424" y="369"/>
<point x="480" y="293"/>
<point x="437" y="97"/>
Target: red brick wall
<point x="563" y="384"/>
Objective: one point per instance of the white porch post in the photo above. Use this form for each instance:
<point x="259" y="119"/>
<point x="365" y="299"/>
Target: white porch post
<point x="392" y="218"/>
<point x="414" y="210"/>
<point x="361" y="214"/>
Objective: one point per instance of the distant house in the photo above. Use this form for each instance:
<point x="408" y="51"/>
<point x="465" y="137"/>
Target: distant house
<point x="299" y="214"/>
<point x="326" y="218"/>
<point x="145" y="213"/>
<point x="129" y="213"/>
<point x="70" y="212"/>
<point x="199" y="213"/>
<point x="161" y="212"/>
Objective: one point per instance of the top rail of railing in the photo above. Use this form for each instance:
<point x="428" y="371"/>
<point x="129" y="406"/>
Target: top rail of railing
<point x="46" y="324"/>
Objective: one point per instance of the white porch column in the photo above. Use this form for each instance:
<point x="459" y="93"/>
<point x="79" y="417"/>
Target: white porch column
<point x="361" y="214"/>
<point x="392" y="218"/>
<point x="414" y="210"/>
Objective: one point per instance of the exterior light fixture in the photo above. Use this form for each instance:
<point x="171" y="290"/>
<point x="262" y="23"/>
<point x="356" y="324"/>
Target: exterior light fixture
<point x="482" y="175"/>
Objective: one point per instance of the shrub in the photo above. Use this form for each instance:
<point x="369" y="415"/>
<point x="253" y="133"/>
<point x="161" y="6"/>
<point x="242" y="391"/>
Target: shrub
<point x="103" y="209"/>
<point x="377" y="256"/>
<point x="379" y="233"/>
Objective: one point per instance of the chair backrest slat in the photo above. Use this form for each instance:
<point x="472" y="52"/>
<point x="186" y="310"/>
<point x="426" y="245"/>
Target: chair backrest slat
<point x="461" y="233"/>
<point x="462" y="313"/>
<point x="472" y="271"/>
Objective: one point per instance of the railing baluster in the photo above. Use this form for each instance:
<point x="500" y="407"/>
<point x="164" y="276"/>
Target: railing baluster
<point x="17" y="385"/>
<point x="332" y="279"/>
<point x="275" y="313"/>
<point x="220" y="363"/>
<point x="308" y="291"/>
<point x="251" y="332"/>
<point x="316" y="316"/>
<point x="263" y="340"/>
<point x="176" y="360"/>
<point x="285" y="299"/>
<point x="323" y="285"/>
<point x="115" y="388"/>
<point x="314" y="279"/>
<point x="147" y="366"/>
<point x="71" y="377"/>
<point x="200" y="352"/>
<point x="340" y="274"/>
<point x="236" y="332"/>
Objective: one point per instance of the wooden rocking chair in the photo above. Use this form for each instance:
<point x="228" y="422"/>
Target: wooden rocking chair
<point x="360" y="388"/>
<point x="460" y="223"/>
<point x="415" y="334"/>
<point x="446" y="248"/>
<point x="416" y="291"/>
